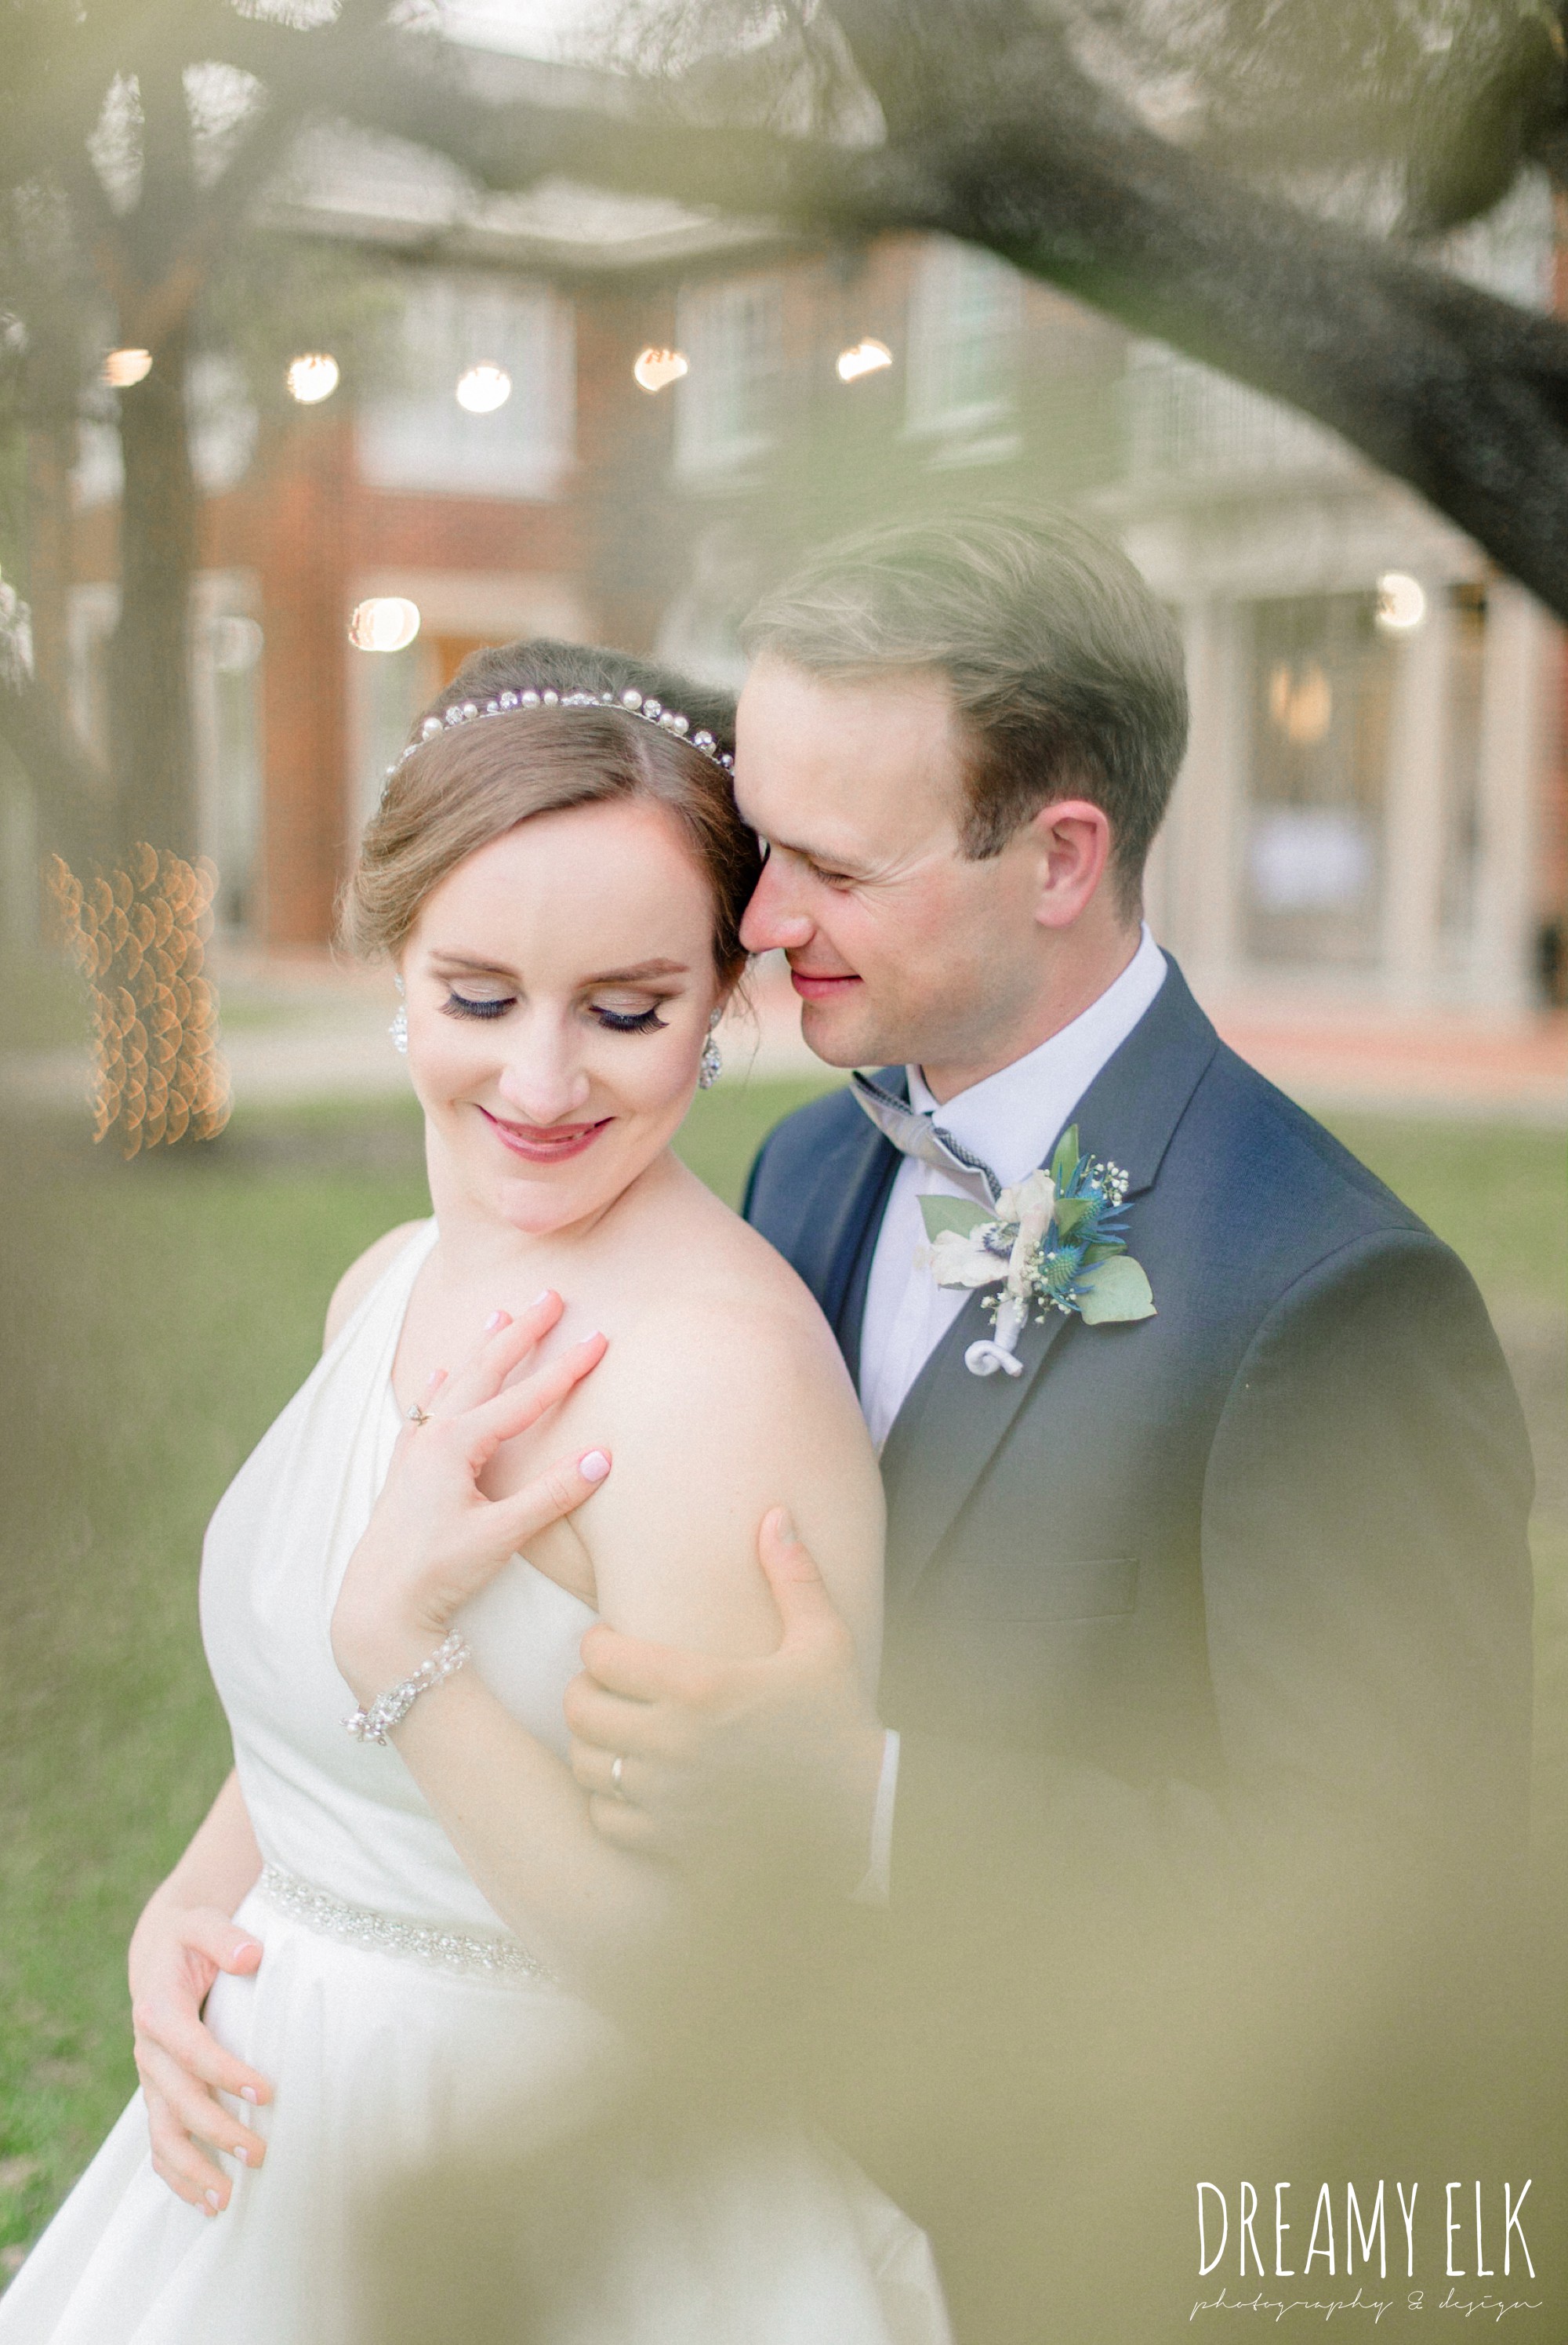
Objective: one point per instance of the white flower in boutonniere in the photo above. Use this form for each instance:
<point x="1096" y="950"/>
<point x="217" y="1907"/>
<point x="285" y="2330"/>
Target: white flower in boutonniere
<point x="1054" y="1241"/>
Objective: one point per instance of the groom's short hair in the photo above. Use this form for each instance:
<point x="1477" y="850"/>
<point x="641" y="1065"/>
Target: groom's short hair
<point x="1066" y="671"/>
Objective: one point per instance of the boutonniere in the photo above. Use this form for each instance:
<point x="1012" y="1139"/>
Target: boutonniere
<point x="1054" y="1241"/>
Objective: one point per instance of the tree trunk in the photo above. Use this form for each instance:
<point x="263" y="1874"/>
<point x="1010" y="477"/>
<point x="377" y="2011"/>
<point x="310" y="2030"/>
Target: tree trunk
<point x="151" y="749"/>
<point x="51" y="449"/>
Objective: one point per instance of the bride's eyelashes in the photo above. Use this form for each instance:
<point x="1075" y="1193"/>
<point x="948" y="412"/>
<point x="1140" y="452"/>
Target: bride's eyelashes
<point x="625" y="1022"/>
<point x="460" y="1005"/>
<point x="615" y="1022"/>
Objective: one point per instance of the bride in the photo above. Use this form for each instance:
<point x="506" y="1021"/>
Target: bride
<point x="430" y="1944"/>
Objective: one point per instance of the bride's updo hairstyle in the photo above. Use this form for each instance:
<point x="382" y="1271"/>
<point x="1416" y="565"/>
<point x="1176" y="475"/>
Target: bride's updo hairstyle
<point x="472" y="782"/>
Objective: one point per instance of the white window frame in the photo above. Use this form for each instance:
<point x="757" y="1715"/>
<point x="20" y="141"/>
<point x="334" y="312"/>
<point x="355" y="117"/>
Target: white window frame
<point x="731" y="333"/>
<point x="956" y="289"/>
<point x="415" y="438"/>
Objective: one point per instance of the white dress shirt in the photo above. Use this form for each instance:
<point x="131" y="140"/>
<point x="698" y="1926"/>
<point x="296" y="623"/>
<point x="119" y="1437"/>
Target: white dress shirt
<point x="1011" y="1122"/>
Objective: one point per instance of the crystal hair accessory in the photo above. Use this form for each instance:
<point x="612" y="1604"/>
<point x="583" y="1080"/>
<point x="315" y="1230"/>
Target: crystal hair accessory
<point x="398" y="1029"/>
<point x="630" y="702"/>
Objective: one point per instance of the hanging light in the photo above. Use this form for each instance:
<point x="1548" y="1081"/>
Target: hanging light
<point x="868" y="357"/>
<point x="123" y="368"/>
<point x="483" y="389"/>
<point x="653" y="369"/>
<point x="312" y="377"/>
<point x="1401" y="602"/>
<point x="385" y="623"/>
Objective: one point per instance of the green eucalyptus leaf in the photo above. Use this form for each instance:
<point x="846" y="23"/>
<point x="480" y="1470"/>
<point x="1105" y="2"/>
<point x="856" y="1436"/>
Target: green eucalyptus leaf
<point x="1067" y="1155"/>
<point x="1071" y="1213"/>
<point x="960" y="1213"/>
<point x="1102" y="1250"/>
<point x="1117" y="1289"/>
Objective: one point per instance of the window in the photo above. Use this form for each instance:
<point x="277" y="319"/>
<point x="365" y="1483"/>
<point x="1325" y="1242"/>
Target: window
<point x="92" y="616"/>
<point x="726" y="407"/>
<point x="417" y="437"/>
<point x="227" y="650"/>
<point x="966" y="314"/>
<point x="1184" y="420"/>
<point x="1321" y="693"/>
<point x="226" y="653"/>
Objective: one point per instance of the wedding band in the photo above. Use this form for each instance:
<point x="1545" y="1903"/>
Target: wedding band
<point x="617" y="1769"/>
<point x="417" y="1415"/>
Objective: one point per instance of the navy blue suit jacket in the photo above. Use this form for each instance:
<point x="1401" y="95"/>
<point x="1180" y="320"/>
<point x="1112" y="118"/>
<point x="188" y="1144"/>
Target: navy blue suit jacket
<point x="1258" y="1558"/>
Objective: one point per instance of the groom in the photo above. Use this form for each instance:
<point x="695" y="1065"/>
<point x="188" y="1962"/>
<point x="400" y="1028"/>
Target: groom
<point x="1231" y="1594"/>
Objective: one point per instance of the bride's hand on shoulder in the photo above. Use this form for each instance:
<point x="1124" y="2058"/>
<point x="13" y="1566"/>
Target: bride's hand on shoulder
<point x="434" y="1538"/>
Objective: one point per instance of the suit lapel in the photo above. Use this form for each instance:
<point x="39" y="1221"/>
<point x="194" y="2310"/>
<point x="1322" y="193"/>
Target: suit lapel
<point x="854" y="1193"/>
<point x="847" y="1318"/>
<point x="947" y="1433"/>
<point x="952" y="1423"/>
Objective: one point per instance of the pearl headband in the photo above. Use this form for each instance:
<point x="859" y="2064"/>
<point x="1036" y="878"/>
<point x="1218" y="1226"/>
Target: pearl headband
<point x="632" y="703"/>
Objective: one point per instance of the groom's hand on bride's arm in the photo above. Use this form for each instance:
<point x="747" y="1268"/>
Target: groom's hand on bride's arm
<point x="707" y="1746"/>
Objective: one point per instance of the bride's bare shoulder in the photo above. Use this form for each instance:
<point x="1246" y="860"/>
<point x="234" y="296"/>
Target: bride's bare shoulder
<point x="361" y="1275"/>
<point x="726" y="1395"/>
<point x="728" y="1268"/>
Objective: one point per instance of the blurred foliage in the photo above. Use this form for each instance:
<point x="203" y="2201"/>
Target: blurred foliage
<point x="1428" y="108"/>
<point x="139" y="938"/>
<point x="1451" y="95"/>
<point x="43" y="1006"/>
<point x="279" y="295"/>
<point x="161" y="1313"/>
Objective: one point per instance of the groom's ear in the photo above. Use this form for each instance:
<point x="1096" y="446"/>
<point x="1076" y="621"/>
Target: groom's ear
<point x="1071" y="843"/>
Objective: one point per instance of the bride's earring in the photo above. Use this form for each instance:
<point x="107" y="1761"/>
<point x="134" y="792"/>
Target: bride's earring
<point x="398" y="1029"/>
<point x="711" y="1065"/>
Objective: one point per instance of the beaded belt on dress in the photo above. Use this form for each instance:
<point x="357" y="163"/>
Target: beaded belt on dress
<point x="471" y="1953"/>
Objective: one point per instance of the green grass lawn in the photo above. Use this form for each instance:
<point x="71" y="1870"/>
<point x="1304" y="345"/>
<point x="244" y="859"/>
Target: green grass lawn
<point x="161" y="1314"/>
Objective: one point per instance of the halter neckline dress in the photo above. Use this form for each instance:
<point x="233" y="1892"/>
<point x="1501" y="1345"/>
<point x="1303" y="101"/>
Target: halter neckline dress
<point x="395" y="2015"/>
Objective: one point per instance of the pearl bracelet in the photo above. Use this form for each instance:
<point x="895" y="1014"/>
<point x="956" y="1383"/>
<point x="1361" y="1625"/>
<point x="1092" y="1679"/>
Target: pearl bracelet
<point x="389" y="1709"/>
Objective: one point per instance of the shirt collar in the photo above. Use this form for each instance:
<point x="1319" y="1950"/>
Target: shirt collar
<point x="1012" y="1119"/>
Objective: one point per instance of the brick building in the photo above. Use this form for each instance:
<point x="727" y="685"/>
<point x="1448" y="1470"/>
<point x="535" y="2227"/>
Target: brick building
<point x="1373" y="806"/>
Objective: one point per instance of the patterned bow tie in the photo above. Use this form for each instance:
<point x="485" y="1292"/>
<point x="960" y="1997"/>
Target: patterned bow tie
<point x="913" y="1134"/>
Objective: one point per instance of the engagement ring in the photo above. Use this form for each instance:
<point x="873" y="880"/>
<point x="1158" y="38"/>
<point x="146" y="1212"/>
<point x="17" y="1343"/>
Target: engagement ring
<point x="417" y="1416"/>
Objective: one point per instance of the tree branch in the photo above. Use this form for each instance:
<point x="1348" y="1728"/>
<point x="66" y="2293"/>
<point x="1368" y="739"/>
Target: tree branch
<point x="1460" y="394"/>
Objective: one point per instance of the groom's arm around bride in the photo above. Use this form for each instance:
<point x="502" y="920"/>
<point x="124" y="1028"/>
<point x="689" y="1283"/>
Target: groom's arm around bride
<point x="1207" y="1632"/>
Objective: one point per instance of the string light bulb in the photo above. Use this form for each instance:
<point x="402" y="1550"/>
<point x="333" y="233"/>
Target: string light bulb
<point x="1401" y="602"/>
<point x="123" y="368"/>
<point x="654" y="369"/>
<point x="312" y="377"/>
<point x="868" y="357"/>
<point x="385" y="623"/>
<point x="482" y="388"/>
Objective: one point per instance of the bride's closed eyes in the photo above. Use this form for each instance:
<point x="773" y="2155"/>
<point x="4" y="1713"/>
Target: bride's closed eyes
<point x="614" y="1022"/>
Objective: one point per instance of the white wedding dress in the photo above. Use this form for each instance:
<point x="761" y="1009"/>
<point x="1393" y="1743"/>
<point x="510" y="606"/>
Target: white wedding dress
<point x="395" y="2016"/>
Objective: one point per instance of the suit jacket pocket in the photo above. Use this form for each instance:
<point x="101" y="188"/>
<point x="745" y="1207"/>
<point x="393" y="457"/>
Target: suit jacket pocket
<point x="1026" y="1593"/>
<point x="1021" y="1651"/>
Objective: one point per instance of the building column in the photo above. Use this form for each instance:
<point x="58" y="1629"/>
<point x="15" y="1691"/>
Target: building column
<point x="1514" y="742"/>
<point x="1196" y="886"/>
<point x="1415" y="822"/>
